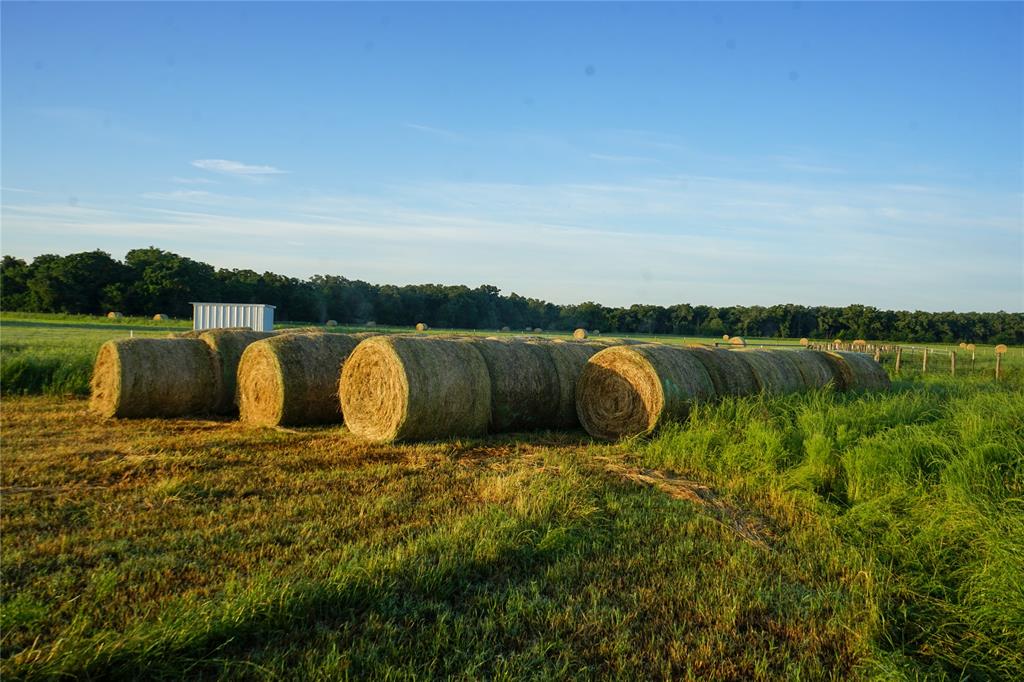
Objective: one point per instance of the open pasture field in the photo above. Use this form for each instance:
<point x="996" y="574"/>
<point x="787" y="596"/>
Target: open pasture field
<point x="816" y="535"/>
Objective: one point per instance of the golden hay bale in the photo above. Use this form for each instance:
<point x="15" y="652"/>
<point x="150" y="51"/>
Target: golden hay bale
<point x="579" y="334"/>
<point x="970" y="346"/>
<point x="858" y="342"/>
<point x="630" y="390"/>
<point x="774" y="371"/>
<point x="963" y="345"/>
<point x="154" y="378"/>
<point x="805" y="342"/>
<point x="524" y="384"/>
<point x="737" y="341"/>
<point x="114" y="316"/>
<point x="229" y="344"/>
<point x="815" y="369"/>
<point x="729" y="374"/>
<point x="415" y="388"/>
<point x="160" y="317"/>
<point x="331" y="323"/>
<point x="292" y="379"/>
<point x="725" y="337"/>
<point x="857" y="371"/>
<point x="569" y="360"/>
<point x="421" y="327"/>
<point x="1001" y="348"/>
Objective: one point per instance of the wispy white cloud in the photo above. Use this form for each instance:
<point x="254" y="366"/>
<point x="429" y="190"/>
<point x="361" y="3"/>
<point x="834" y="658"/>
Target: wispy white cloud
<point x="432" y="130"/>
<point x="20" y="190"/>
<point x="193" y="181"/>
<point x="619" y="158"/>
<point x="236" y="167"/>
<point x="180" y="195"/>
<point x="798" y="165"/>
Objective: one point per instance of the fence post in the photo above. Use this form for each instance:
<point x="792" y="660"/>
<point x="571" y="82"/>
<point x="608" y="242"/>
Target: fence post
<point x="878" y="354"/>
<point x="924" y="361"/>
<point x="952" y="363"/>
<point x="999" y="357"/>
<point x="899" y="354"/>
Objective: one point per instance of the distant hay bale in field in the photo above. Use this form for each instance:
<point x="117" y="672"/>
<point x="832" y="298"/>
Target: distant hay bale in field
<point x="537" y="330"/>
<point x="729" y="374"/>
<point x="805" y="342"/>
<point x="858" y="342"/>
<point x="524" y="384"/>
<point x="415" y="388"/>
<point x="580" y="334"/>
<point x="569" y="359"/>
<point x="774" y="371"/>
<point x="114" y="315"/>
<point x="371" y="323"/>
<point x="154" y="378"/>
<point x="292" y="379"/>
<point x="421" y="327"/>
<point x="971" y="347"/>
<point x="505" y="329"/>
<point x="815" y="369"/>
<point x="737" y="341"/>
<point x="631" y="390"/>
<point x="725" y="337"/>
<point x="1001" y="348"/>
<point x="160" y="317"/>
<point x="857" y="372"/>
<point x="596" y="332"/>
<point x="331" y="323"/>
<point x="963" y="345"/>
<point x="229" y="344"/>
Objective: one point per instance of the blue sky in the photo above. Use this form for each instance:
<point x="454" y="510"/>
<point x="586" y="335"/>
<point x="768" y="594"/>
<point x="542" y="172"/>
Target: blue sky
<point x="816" y="153"/>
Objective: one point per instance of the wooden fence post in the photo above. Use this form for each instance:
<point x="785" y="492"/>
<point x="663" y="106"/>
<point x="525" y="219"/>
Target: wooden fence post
<point x="878" y="354"/>
<point x="952" y="363"/>
<point x="899" y="354"/>
<point x="999" y="357"/>
<point x="924" y="361"/>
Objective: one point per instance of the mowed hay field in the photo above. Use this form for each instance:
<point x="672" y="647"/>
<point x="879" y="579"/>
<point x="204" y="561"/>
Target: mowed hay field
<point x="814" y="535"/>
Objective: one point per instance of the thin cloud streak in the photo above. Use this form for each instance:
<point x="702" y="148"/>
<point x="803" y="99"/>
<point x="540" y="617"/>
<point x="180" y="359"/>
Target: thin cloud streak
<point x="236" y="167"/>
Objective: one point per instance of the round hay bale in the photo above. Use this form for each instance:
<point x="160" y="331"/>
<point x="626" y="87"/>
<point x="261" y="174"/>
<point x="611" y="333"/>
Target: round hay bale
<point x="631" y="390"/>
<point x="524" y="384"/>
<point x="292" y="379"/>
<point x="154" y="378"/>
<point x="857" y="372"/>
<point x="774" y="371"/>
<point x="729" y="374"/>
<point x="579" y="334"/>
<point x="190" y="334"/>
<point x="963" y="345"/>
<point x="505" y="329"/>
<point x="970" y="347"/>
<point x="160" y="317"/>
<point x="805" y="342"/>
<point x="858" y="342"/>
<point x="596" y="332"/>
<point x="229" y="344"/>
<point x="415" y="388"/>
<point x="421" y="327"/>
<point x="114" y="315"/>
<point x="815" y="369"/>
<point x="537" y="330"/>
<point x="371" y="323"/>
<point x="737" y="341"/>
<point x="1001" y="348"/>
<point x="569" y="360"/>
<point x="331" y="323"/>
<point x="725" y="337"/>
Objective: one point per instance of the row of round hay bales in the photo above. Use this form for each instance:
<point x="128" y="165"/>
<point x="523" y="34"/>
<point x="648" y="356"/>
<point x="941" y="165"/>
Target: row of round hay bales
<point x="631" y="390"/>
<point x="416" y="388"/>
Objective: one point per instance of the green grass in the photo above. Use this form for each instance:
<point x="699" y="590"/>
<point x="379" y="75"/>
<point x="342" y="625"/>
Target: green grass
<point x="808" y="536"/>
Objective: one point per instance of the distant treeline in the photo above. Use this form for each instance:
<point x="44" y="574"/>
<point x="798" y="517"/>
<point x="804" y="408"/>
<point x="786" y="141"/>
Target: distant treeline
<point x="151" y="281"/>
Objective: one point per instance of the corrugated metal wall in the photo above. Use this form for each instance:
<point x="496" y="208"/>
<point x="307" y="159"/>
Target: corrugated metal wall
<point x="255" y="316"/>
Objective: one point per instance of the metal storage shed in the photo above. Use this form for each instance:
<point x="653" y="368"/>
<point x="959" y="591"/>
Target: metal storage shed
<point x="256" y="316"/>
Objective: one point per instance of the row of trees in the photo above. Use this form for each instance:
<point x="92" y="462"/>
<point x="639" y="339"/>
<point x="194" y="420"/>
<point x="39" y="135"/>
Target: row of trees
<point x="153" y="281"/>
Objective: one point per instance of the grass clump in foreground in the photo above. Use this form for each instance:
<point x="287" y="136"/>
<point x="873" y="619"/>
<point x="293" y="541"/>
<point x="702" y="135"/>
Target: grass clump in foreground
<point x="809" y="536"/>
